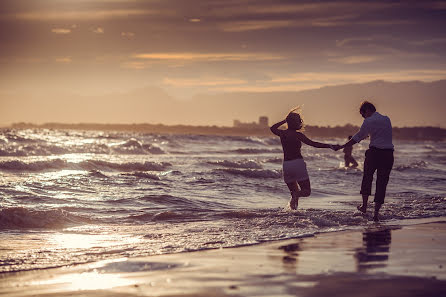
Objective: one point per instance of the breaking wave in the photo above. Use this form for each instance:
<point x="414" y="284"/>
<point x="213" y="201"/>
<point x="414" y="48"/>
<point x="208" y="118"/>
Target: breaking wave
<point x="252" y="173"/>
<point x="23" y="218"/>
<point x="34" y="148"/>
<point x="253" y="151"/>
<point x="414" y="165"/>
<point x="89" y="165"/>
<point x="249" y="164"/>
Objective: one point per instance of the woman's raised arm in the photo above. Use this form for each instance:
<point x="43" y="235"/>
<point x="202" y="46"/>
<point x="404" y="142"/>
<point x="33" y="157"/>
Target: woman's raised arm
<point x="275" y="128"/>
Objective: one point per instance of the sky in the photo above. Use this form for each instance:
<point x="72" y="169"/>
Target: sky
<point x="190" y="47"/>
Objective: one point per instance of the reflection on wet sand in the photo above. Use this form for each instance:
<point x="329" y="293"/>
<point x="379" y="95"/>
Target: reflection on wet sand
<point x="291" y="251"/>
<point x="375" y="250"/>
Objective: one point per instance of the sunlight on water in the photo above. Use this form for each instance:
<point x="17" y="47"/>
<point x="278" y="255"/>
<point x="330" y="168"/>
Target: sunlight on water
<point x="91" y="280"/>
<point x="85" y="241"/>
<point x="79" y="196"/>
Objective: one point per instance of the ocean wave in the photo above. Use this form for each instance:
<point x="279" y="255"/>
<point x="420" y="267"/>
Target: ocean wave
<point x="247" y="139"/>
<point x="167" y="200"/>
<point x="414" y="165"/>
<point x="32" y="150"/>
<point x="274" y="160"/>
<point x="163" y="216"/>
<point x="248" y="164"/>
<point x="23" y="218"/>
<point x="97" y="173"/>
<point x="89" y="165"/>
<point x="252" y="173"/>
<point x="129" y="147"/>
<point x="144" y="175"/>
<point x="253" y="151"/>
<point x="134" y="146"/>
<point x="14" y="136"/>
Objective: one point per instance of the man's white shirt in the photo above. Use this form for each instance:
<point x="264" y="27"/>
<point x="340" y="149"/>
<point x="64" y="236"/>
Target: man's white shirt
<point x="379" y="128"/>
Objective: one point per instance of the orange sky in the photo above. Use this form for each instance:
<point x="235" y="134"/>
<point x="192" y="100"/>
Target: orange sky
<point x="53" y="49"/>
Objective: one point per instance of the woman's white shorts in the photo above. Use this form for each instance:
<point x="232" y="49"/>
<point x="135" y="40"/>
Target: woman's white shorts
<point x="295" y="170"/>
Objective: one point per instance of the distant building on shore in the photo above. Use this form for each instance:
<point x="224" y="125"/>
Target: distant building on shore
<point x="262" y="123"/>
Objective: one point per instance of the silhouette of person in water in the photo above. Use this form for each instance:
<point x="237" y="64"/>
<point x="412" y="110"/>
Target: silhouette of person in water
<point x="375" y="250"/>
<point x="379" y="156"/>
<point x="348" y="158"/>
<point x="294" y="166"/>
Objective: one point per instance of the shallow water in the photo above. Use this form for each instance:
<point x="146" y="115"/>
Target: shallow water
<point x="77" y="196"/>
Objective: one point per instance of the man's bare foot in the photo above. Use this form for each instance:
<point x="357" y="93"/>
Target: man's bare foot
<point x="362" y="209"/>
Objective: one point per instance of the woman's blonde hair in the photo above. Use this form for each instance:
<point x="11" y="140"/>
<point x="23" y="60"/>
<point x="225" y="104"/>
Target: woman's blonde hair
<point x="294" y="119"/>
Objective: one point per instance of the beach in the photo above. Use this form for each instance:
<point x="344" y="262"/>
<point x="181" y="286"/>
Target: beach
<point x="378" y="260"/>
<point x="105" y="213"/>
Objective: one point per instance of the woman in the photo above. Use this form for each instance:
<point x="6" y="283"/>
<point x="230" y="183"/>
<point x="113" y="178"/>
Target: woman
<point x="294" y="167"/>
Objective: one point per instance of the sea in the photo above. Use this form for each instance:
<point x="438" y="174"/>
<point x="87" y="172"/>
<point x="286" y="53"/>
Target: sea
<point x="69" y="197"/>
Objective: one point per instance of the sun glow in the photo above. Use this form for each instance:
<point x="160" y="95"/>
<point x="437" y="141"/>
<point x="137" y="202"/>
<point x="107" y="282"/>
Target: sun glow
<point x="90" y="280"/>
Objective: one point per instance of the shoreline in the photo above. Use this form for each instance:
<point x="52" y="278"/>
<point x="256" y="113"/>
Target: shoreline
<point x="399" y="260"/>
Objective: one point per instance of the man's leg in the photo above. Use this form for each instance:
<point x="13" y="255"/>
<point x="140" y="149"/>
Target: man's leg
<point x="363" y="208"/>
<point x="382" y="179"/>
<point x="367" y="178"/>
<point x="377" y="208"/>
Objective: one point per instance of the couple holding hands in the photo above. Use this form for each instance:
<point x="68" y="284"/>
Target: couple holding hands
<point x="379" y="156"/>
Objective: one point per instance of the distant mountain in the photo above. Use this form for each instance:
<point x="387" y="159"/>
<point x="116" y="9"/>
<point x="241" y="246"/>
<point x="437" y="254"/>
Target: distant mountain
<point x="407" y="103"/>
<point x="410" y="103"/>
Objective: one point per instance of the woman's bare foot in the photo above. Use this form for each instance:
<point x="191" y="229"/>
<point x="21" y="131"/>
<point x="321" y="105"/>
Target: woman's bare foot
<point x="362" y="209"/>
<point x="293" y="203"/>
<point x="294" y="200"/>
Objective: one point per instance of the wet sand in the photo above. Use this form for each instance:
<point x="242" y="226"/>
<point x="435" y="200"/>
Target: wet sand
<point x="379" y="260"/>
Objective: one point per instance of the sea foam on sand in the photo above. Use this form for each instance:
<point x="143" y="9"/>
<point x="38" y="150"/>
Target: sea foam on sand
<point x="380" y="260"/>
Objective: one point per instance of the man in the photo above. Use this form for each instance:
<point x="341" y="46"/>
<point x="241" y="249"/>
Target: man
<point x="379" y="156"/>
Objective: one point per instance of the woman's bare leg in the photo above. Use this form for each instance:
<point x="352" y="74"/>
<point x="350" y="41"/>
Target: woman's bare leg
<point x="305" y="188"/>
<point x="305" y="191"/>
<point x="294" y="189"/>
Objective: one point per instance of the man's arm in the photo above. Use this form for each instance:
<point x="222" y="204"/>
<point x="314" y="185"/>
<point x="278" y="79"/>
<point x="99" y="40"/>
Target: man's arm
<point x="349" y="143"/>
<point x="275" y="128"/>
<point x="360" y="135"/>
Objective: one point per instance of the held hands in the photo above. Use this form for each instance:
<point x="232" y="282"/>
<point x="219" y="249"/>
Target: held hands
<point x="335" y="147"/>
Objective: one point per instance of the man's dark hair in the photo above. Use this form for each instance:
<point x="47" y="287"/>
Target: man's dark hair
<point x="366" y="105"/>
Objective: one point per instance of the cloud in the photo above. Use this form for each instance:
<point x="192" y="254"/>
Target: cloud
<point x="332" y="21"/>
<point x="63" y="60"/>
<point x="134" y="65"/>
<point x="81" y="15"/>
<point x="312" y="80"/>
<point x="202" y="82"/>
<point x="246" y="8"/>
<point x="61" y="31"/>
<point x="242" y="26"/>
<point x="355" y="59"/>
<point x="326" y="78"/>
<point x="194" y="20"/>
<point x="437" y="5"/>
<point x="361" y="40"/>
<point x="98" y="30"/>
<point x="208" y="56"/>
<point x="128" y="35"/>
<point x="431" y="41"/>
